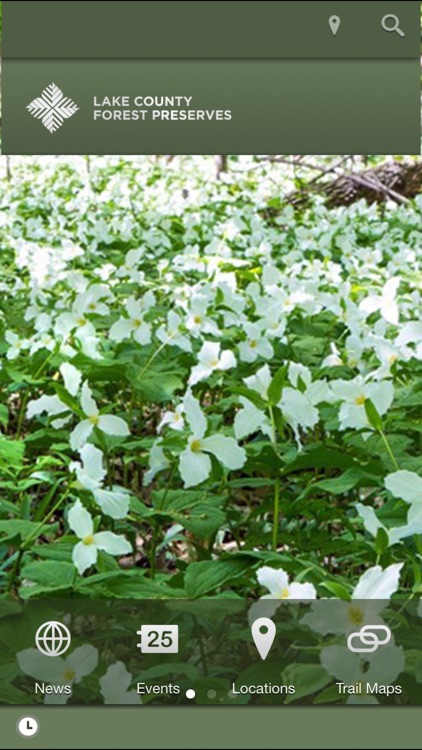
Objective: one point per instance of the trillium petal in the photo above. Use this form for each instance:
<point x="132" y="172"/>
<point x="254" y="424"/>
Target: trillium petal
<point x="134" y="308"/>
<point x="113" y="425"/>
<point x="339" y="662"/>
<point x="114" y="504"/>
<point x="57" y="699"/>
<point x="410" y="333"/>
<point x="114" y="686"/>
<point x="41" y="667"/>
<point x="377" y="583"/>
<point x="276" y="581"/>
<point x="249" y="420"/>
<point x="227" y="360"/>
<point x="260" y="382"/>
<point x="80" y="520"/>
<point x="209" y="354"/>
<point x="405" y="484"/>
<point x="112" y="543"/>
<point x="381" y="394"/>
<point x="302" y="591"/>
<point x="266" y="606"/>
<point x="49" y="404"/>
<point x="71" y="376"/>
<point x="83" y="556"/>
<point x="194" y="467"/>
<point x="87" y="402"/>
<point x="92" y="459"/>
<point x="121" y="329"/>
<point x="196" y="419"/>
<point x="369" y="518"/>
<point x="386" y="664"/>
<point x="198" y="373"/>
<point x="370" y="304"/>
<point x="228" y="452"/>
<point x="264" y="348"/>
<point x="142" y="333"/>
<point x="83" y="660"/>
<point x="79" y="436"/>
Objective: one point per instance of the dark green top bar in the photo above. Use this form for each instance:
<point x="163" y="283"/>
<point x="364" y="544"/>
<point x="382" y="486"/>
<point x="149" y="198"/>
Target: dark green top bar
<point x="217" y="29"/>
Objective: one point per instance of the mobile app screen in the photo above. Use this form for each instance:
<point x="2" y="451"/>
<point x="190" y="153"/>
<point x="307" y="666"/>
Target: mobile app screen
<point x="210" y="445"/>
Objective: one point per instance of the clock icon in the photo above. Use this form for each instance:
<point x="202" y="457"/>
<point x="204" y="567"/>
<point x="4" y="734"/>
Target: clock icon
<point x="28" y="726"/>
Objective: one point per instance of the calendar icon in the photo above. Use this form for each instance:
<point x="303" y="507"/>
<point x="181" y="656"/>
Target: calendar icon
<point x="159" y="639"/>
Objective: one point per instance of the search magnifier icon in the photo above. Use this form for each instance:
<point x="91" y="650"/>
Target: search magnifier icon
<point x="390" y="22"/>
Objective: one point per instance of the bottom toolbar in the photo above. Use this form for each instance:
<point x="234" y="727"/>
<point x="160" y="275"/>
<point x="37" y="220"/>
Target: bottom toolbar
<point x="210" y="652"/>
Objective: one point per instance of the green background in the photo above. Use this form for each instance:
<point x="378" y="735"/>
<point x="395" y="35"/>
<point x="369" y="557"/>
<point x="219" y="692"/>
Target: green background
<point x="278" y="106"/>
<point x="222" y="28"/>
<point x="241" y="727"/>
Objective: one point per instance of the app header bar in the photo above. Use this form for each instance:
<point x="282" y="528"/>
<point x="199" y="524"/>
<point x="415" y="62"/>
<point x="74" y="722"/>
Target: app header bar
<point x="217" y="29"/>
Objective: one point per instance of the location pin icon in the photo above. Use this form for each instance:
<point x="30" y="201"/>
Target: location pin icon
<point x="334" y="22"/>
<point x="263" y="633"/>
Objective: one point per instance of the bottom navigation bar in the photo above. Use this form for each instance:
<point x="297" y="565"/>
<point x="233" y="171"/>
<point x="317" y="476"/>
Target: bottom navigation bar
<point x="210" y="652"/>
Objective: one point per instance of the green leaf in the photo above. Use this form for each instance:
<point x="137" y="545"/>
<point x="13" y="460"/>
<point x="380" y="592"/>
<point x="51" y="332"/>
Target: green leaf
<point x="130" y="584"/>
<point x="337" y="589"/>
<point x="11" y="454"/>
<point x="50" y="574"/>
<point x="155" y="385"/>
<point x="4" y="415"/>
<point x="277" y="384"/>
<point x="209" y="575"/>
<point x="349" y="480"/>
<point x="374" y="418"/>
<point x="196" y="511"/>
<point x="252" y="396"/>
<point x="381" y="541"/>
<point x="24" y="529"/>
<point x="307" y="679"/>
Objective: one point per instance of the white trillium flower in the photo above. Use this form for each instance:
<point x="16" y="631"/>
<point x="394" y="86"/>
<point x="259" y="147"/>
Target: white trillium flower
<point x="382" y="667"/>
<point x="129" y="267"/>
<point x="256" y="344"/>
<point x="210" y="359"/>
<point x="194" y="461"/>
<point x="298" y="404"/>
<point x="157" y="462"/>
<point x="59" y="671"/>
<point x="386" y="302"/>
<point x="277" y="583"/>
<point x="85" y="553"/>
<point x="91" y="473"/>
<point x="115" y="684"/>
<point x="281" y="589"/>
<point x="354" y="393"/>
<point x="260" y="382"/>
<point x="407" y="486"/>
<point x="134" y="325"/>
<point x="75" y="321"/>
<point x="173" y="419"/>
<point x="107" y="423"/>
<point x="171" y="333"/>
<point x="52" y="405"/>
<point x="369" y="598"/>
<point x="17" y="345"/>
<point x="250" y="419"/>
<point x="198" y="321"/>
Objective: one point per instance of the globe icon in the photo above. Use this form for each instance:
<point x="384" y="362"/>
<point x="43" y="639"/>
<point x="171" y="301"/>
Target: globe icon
<point x="52" y="638"/>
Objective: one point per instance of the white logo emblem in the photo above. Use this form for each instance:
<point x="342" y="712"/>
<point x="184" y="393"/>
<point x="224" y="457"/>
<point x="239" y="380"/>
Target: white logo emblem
<point x="368" y="640"/>
<point x="52" y="108"/>
<point x="52" y="638"/>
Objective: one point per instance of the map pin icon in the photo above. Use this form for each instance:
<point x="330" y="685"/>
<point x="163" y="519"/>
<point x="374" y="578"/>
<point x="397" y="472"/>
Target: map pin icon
<point x="334" y="22"/>
<point x="263" y="633"/>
